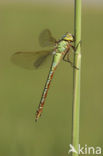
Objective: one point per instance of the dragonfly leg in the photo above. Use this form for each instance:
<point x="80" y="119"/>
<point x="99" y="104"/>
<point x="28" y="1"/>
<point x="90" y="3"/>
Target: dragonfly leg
<point x="75" y="48"/>
<point x="68" y="60"/>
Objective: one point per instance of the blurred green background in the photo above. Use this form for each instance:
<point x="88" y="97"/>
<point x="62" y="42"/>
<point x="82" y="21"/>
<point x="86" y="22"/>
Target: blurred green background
<point x="20" y="89"/>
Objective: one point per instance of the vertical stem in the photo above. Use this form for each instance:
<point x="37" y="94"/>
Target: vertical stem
<point x="76" y="76"/>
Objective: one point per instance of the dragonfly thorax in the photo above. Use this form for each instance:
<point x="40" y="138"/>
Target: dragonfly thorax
<point x="62" y="45"/>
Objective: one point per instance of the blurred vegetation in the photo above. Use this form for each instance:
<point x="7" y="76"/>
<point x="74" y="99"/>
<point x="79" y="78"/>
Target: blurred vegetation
<point x="20" y="89"/>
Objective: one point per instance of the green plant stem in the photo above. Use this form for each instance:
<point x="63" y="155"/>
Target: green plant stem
<point x="76" y="76"/>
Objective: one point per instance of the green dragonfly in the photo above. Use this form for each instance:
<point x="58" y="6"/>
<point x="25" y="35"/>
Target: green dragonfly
<point x="60" y="50"/>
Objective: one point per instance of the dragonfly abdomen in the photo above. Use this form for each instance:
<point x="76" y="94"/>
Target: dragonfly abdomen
<point x="45" y="92"/>
<point x="54" y="65"/>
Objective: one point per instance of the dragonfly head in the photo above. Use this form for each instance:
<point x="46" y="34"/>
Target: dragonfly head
<point x="68" y="37"/>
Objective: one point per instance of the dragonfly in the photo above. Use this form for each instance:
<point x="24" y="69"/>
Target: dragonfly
<point x="59" y="49"/>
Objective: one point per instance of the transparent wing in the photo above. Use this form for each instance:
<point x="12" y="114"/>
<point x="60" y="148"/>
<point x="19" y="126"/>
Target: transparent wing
<point x="30" y="60"/>
<point x="46" y="39"/>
